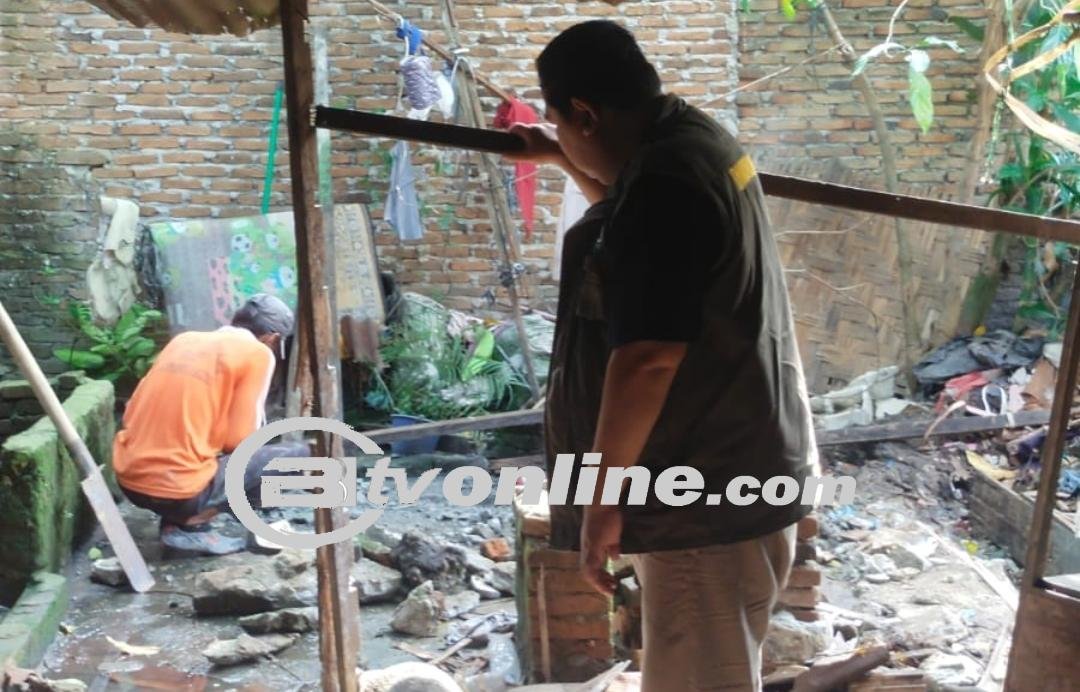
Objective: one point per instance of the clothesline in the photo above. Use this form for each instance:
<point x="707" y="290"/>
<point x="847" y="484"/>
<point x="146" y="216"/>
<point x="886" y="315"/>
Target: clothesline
<point x="447" y="55"/>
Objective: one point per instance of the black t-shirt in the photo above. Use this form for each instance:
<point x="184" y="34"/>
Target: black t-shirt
<point x="659" y="251"/>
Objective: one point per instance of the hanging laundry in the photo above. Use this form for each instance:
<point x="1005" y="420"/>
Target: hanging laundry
<point x="510" y="113"/>
<point x="574" y="206"/>
<point x="446" y="96"/>
<point x="412" y="35"/>
<point x="420" y="86"/>
<point x="402" y="206"/>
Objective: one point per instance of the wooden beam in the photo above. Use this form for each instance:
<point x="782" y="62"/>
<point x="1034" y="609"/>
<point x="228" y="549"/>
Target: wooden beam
<point x="828" y="194"/>
<point x="1050" y="456"/>
<point x="912" y="429"/>
<point x="443" y="134"/>
<point x="900" y="430"/>
<point x="339" y="638"/>
<point x="446" y="427"/>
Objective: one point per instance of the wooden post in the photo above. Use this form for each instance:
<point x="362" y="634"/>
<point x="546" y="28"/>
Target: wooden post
<point x="501" y="218"/>
<point x="339" y="638"/>
<point x="1050" y="456"/>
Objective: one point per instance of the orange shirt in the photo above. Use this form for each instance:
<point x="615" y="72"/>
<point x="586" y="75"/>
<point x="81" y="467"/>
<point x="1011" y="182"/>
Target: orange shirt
<point x="204" y="394"/>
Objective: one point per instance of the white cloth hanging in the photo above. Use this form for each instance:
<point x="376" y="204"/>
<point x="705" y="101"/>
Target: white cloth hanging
<point x="574" y="206"/>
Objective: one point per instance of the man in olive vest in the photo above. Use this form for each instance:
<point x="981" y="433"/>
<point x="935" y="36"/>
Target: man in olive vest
<point x="674" y="346"/>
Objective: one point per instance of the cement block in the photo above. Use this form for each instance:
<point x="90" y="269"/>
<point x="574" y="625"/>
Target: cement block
<point x="44" y="510"/>
<point x="28" y="629"/>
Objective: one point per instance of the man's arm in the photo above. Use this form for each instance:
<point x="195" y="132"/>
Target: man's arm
<point x="636" y="384"/>
<point x="660" y="252"/>
<point x="247" y="410"/>
<point x="541" y="147"/>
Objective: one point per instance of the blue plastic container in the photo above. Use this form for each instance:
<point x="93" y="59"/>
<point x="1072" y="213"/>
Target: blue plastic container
<point x="421" y="445"/>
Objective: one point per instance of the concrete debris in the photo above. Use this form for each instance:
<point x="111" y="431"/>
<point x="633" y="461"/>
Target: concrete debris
<point x="252" y="588"/>
<point x="245" y="648"/>
<point x="412" y="676"/>
<point x="483" y="531"/>
<point x="486" y="591"/>
<point x="387" y="537"/>
<point x="422" y="559"/>
<point x="290" y="563"/>
<point x="951" y="670"/>
<point x="375" y="582"/>
<point x="926" y="627"/>
<point x="108" y="571"/>
<point x="282" y="621"/>
<point x="503" y="577"/>
<point x="461" y="603"/>
<point x="368" y="547"/>
<point x="475" y="563"/>
<point x="789" y="640"/>
<point x="420" y="612"/>
<point x="24" y="680"/>
<point x="497" y="549"/>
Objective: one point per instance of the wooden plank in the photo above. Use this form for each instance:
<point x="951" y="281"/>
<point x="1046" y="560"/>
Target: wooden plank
<point x="911" y="429"/>
<point x="490" y="422"/>
<point x="1043" y="655"/>
<point x="920" y="208"/>
<point x="789" y="187"/>
<point x="439" y="134"/>
<point x="339" y="639"/>
<point x="872" y="433"/>
<point x="1050" y="456"/>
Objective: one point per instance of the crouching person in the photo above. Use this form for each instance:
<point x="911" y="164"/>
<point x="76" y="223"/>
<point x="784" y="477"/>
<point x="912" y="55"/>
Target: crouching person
<point x="205" y="393"/>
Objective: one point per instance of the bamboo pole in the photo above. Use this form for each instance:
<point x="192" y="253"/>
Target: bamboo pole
<point x="502" y="221"/>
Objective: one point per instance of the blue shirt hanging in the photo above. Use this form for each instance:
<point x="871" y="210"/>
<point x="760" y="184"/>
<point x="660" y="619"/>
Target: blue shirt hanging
<point x="402" y="206"/>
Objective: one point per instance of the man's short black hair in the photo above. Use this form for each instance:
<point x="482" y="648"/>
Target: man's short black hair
<point x="598" y="62"/>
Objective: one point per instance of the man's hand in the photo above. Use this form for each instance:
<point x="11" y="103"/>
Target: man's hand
<point x="541" y="144"/>
<point x="601" y="533"/>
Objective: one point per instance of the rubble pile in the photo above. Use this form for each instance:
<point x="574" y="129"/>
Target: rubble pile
<point x="909" y="600"/>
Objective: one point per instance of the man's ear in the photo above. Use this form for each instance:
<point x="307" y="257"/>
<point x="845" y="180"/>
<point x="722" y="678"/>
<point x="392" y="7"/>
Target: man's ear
<point x="585" y="116"/>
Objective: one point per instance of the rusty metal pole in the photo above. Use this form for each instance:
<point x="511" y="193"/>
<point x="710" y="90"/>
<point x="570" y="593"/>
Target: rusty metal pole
<point x="339" y="636"/>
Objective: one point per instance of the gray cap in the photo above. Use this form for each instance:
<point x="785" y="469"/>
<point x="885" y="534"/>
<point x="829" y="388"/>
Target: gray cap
<point x="263" y="313"/>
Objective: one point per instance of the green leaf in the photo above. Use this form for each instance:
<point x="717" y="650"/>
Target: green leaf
<point x="1067" y="117"/>
<point x="921" y="95"/>
<point x="973" y="30"/>
<point x="141" y="349"/>
<point x="788" y="8"/>
<point x="935" y="42"/>
<point x="83" y="360"/>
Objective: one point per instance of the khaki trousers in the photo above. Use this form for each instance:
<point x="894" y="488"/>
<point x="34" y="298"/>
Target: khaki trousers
<point x="705" y="612"/>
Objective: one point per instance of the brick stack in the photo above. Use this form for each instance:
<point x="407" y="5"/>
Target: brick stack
<point x="579" y="621"/>
<point x="802" y="594"/>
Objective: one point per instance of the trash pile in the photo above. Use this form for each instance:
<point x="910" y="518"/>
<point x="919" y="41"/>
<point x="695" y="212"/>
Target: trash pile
<point x="908" y="598"/>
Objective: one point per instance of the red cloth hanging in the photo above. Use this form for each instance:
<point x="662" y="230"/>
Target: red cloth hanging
<point x="510" y="113"/>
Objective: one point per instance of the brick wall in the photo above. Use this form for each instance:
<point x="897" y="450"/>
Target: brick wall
<point x="182" y="123"/>
<point x="812" y="113"/>
<point x="49" y="226"/>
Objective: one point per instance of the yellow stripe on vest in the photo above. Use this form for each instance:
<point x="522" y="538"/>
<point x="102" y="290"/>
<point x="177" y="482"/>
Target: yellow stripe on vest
<point x="742" y="172"/>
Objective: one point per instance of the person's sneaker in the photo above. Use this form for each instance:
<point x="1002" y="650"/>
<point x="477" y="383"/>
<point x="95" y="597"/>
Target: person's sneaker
<point x="199" y="542"/>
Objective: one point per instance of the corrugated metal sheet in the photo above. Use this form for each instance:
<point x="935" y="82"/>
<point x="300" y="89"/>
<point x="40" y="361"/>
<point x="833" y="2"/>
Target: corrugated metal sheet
<point x="237" y="17"/>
